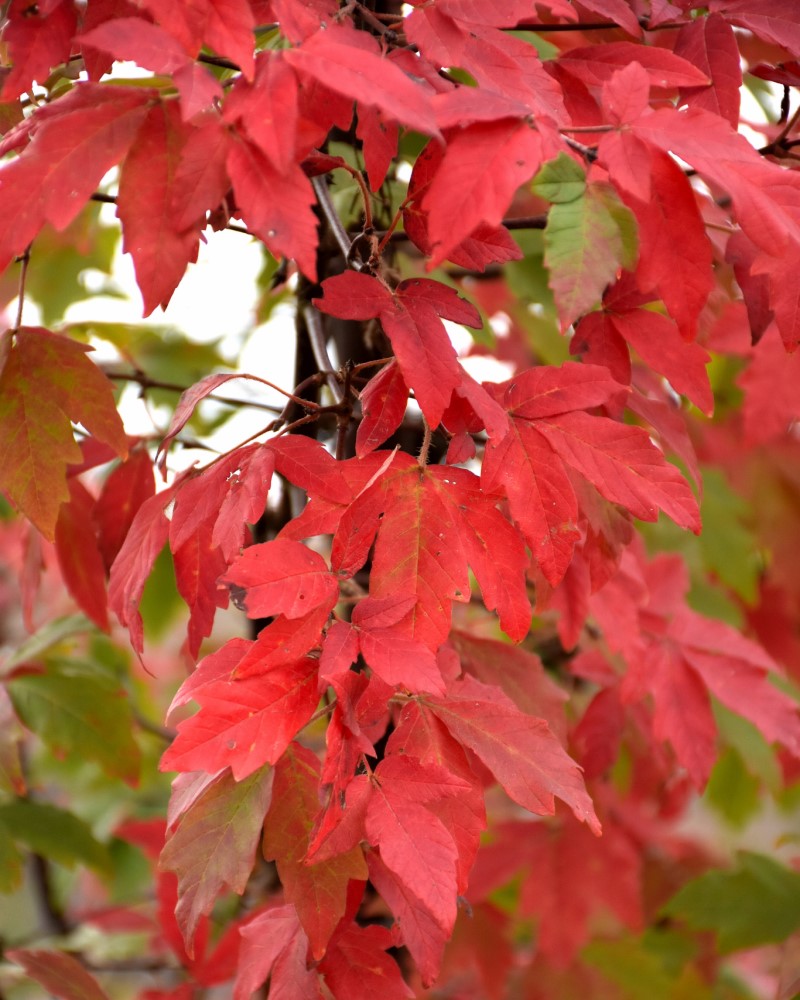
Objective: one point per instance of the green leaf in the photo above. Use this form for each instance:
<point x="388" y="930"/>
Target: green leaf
<point x="732" y="790"/>
<point x="54" y="833"/>
<point x="44" y="638"/>
<point x="757" y="903"/>
<point x="215" y="844"/>
<point x="587" y="241"/>
<point x="730" y="550"/>
<point x="55" y="281"/>
<point x="46" y="383"/>
<point x="560" y="181"/>
<point x="86" y="715"/>
<point x="641" y="974"/>
<point x="10" y="862"/>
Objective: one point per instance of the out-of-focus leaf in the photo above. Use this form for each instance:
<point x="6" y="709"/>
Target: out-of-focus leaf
<point x="78" y="713"/>
<point x="754" y="904"/>
<point x="61" y="975"/>
<point x="54" y="833"/>
<point x="45" y="637"/>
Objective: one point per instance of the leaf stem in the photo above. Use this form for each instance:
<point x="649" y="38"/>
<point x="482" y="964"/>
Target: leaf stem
<point x="426" y="445"/>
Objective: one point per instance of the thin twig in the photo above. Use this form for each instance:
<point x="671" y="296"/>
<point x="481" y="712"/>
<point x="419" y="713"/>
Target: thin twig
<point x="316" y="336"/>
<point x="324" y="198"/>
<point x="147" y="383"/>
<point x="24" y="260"/>
<point x="162" y="732"/>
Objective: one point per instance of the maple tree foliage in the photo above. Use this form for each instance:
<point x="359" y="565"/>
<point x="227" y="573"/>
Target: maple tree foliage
<point x="484" y="671"/>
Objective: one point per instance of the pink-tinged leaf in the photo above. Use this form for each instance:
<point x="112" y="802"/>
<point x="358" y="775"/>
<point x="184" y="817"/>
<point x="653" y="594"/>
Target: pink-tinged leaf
<point x="146" y="538"/>
<point x="274" y="946"/>
<point x="658" y="343"/>
<point x="123" y="493"/>
<point x="482" y="168"/>
<point x="418" y="929"/>
<point x="201" y="180"/>
<point x="59" y="973"/>
<point x="540" y="495"/>
<point x="618" y="11"/>
<point x="520" y="750"/>
<point x="357" y="966"/>
<point x="351" y="66"/>
<point x="769" y="383"/>
<point x="676" y="254"/>
<point x="627" y="160"/>
<point x="136" y="40"/>
<point x="669" y="423"/>
<point x="783" y="295"/>
<point x="214" y="846"/>
<point x="46" y="382"/>
<point x="383" y="403"/>
<point x="379" y="139"/>
<point x="773" y="20"/>
<point x="735" y="670"/>
<point x="624" y="466"/>
<point x="146" y="195"/>
<point x="199" y="91"/>
<point x="318" y="891"/>
<point x="229" y="31"/>
<point x="79" y="138"/>
<point x="682" y="713"/>
<point x="763" y="194"/>
<point x="626" y="94"/>
<point x="266" y="110"/>
<point x="710" y="44"/>
<point x="275" y="206"/>
<point x="243" y="724"/>
<point x="38" y="40"/>
<point x="595" y="64"/>
<point x="517" y="672"/>
<point x="79" y="555"/>
<point x="281" y="578"/>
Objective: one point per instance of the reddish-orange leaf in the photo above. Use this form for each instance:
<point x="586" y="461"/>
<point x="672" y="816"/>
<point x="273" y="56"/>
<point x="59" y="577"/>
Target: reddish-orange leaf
<point x="46" y="382"/>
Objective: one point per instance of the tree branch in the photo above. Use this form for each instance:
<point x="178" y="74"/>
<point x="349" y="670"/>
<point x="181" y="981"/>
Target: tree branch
<point x="150" y="383"/>
<point x="344" y="242"/>
<point x="316" y="336"/>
